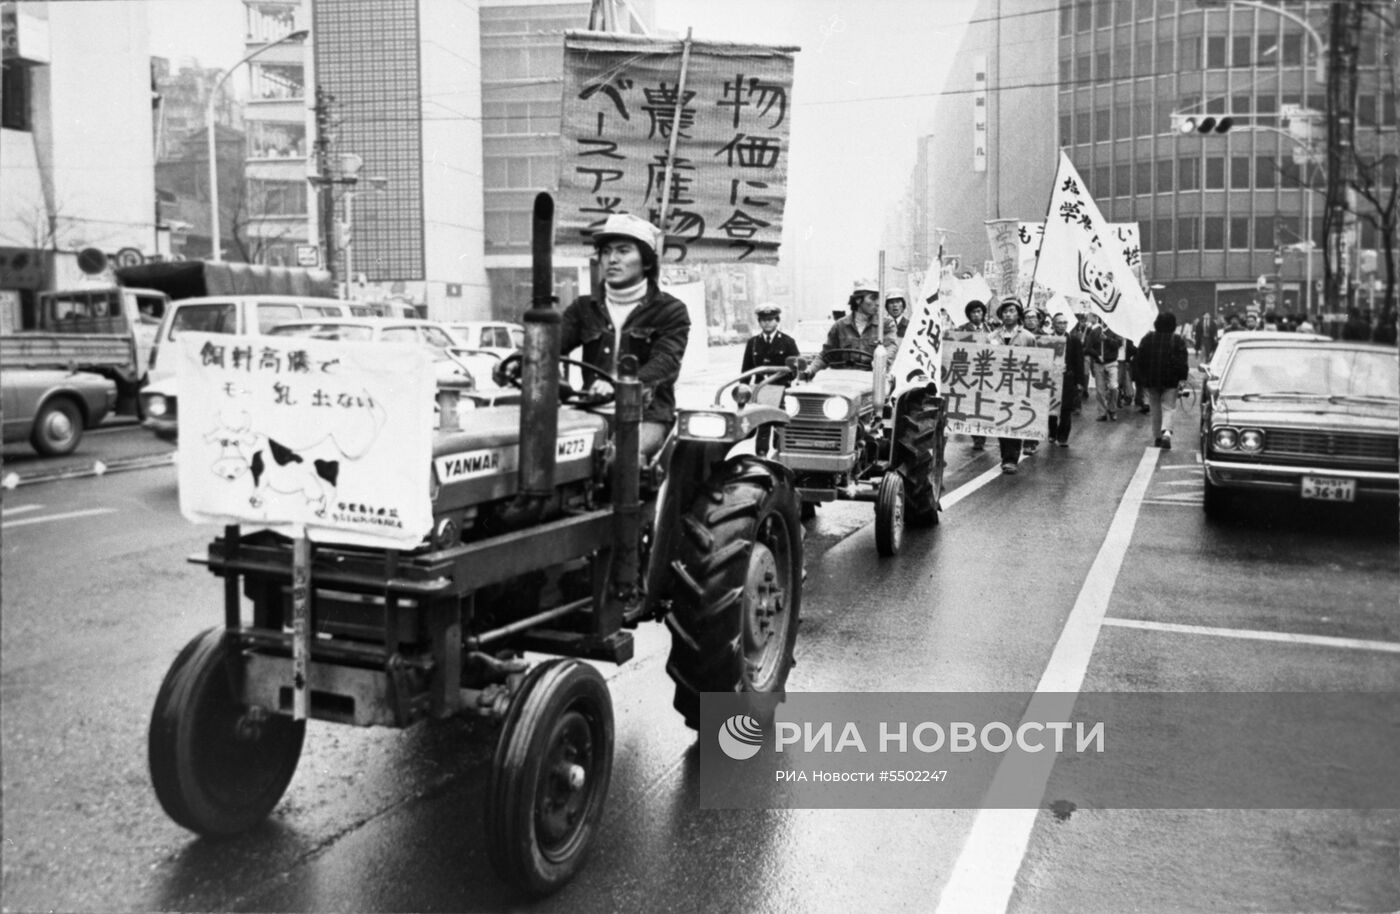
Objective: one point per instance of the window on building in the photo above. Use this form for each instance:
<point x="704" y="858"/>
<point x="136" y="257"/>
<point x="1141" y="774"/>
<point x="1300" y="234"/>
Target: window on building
<point x="1293" y="49"/>
<point x="1317" y="102"/>
<point x="1388" y="109"/>
<point x="1101" y="186"/>
<point x="1123" y="61"/>
<point x="1066" y="130"/>
<point x="1265" y="173"/>
<point x="1163" y="233"/>
<point x="1164" y="56"/>
<point x="1215" y="52"/>
<point x="1290" y="174"/>
<point x="1144" y="9"/>
<point x="1145" y="238"/>
<point x="1188" y="173"/>
<point x="1123" y="179"/>
<point x="1292" y="98"/>
<point x="1189" y="54"/>
<point x="1266" y="103"/>
<point x="1164" y="176"/>
<point x="1241" y="105"/>
<point x="1242" y="51"/>
<point x="1142" y="59"/>
<point x="1103" y="67"/>
<point x="1081" y="69"/>
<point x="1188" y="233"/>
<point x="1123" y="11"/>
<point x="15" y="98"/>
<point x="1143" y="187"/>
<point x="1369" y="235"/>
<point x="1215" y="172"/>
<point x="1122" y="122"/>
<point x="1263" y="232"/>
<point x="1102" y="127"/>
<point x="1367" y="50"/>
<point x="1239" y="172"/>
<point x="1066" y="17"/>
<point x="1239" y="233"/>
<point x="1366" y="110"/>
<point x="1290" y="229"/>
<point x="277" y="198"/>
<point x="1083" y="16"/>
<point x="1083" y="134"/>
<point x="1066" y="70"/>
<point x="1216" y="104"/>
<point x="1144" y="125"/>
<point x="1214" y="237"/>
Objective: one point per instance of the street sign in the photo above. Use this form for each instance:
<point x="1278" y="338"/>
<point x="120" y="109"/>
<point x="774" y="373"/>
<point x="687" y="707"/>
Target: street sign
<point x="308" y="255"/>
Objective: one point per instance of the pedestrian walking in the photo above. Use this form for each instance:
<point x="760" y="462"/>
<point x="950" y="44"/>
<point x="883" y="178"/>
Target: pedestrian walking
<point x="1161" y="367"/>
<point x="1011" y="333"/>
<point x="1070" y="383"/>
<point x="1102" y="346"/>
<point x="1207" y="336"/>
<point x="976" y="313"/>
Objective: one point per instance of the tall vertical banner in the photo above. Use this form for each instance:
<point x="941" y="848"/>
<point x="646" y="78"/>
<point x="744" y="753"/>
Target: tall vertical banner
<point x="919" y="357"/>
<point x="1080" y="257"/>
<point x="1028" y="236"/>
<point x="332" y="437"/>
<point x="979" y="112"/>
<point x="1001" y="236"/>
<point x="624" y="98"/>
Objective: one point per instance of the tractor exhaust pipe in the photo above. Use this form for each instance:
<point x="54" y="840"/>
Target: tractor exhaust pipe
<point x="539" y="379"/>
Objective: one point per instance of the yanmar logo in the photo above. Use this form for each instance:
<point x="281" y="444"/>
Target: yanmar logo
<point x="465" y="466"/>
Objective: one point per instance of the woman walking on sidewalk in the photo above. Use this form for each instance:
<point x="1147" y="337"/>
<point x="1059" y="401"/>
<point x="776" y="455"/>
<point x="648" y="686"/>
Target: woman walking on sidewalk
<point x="1160" y="368"/>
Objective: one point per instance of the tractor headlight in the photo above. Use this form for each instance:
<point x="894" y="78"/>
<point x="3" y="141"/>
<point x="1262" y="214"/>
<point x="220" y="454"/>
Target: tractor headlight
<point x="836" y="408"/>
<point x="156" y="406"/>
<point x="1252" y="440"/>
<point x="707" y="425"/>
<point x="792" y="406"/>
<point x="1226" y="439"/>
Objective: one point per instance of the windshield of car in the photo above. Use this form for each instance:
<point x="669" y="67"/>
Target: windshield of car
<point x="214" y="318"/>
<point x="325" y="331"/>
<point x="1325" y="372"/>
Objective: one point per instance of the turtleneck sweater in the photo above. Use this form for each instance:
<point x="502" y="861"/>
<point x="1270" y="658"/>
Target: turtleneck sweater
<point x="622" y="302"/>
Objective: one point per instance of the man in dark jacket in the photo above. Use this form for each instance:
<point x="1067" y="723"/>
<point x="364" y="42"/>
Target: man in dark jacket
<point x="1073" y="380"/>
<point x="1101" y="345"/>
<point x="1160" y="368"/>
<point x="630" y="315"/>
<point x="898" y="310"/>
<point x="770" y="346"/>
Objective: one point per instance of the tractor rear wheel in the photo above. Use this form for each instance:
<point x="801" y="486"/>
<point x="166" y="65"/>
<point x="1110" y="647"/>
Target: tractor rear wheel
<point x="738" y="586"/>
<point x="921" y="436"/>
<point x="550" y="776"/>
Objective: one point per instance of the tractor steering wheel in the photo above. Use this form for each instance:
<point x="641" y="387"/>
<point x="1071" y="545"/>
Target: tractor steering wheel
<point x="849" y="358"/>
<point x="508" y="372"/>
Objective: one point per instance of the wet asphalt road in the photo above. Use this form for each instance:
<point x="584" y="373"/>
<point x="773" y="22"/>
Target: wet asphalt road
<point x="97" y="604"/>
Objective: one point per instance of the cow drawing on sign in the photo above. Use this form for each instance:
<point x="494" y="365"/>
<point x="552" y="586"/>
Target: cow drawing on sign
<point x="274" y="467"/>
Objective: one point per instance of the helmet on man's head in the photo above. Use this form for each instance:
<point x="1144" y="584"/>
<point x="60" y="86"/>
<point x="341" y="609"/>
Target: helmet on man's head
<point x="1013" y="304"/>
<point x="629" y="227"/>
<point x="863" y="288"/>
<point x="896" y="296"/>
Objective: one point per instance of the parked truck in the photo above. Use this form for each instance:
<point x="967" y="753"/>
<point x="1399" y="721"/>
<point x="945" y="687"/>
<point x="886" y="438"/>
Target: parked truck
<point x="111" y="330"/>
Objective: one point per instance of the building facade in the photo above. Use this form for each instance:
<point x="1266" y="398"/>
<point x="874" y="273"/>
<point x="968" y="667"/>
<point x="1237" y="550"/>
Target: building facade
<point x="1215" y="211"/>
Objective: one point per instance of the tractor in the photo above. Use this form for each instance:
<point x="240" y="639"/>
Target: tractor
<point x="550" y="536"/>
<point x="849" y="438"/>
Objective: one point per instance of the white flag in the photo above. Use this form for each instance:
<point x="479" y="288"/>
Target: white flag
<point x="1081" y="257"/>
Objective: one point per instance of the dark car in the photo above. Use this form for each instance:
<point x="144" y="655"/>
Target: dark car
<point x="1317" y="421"/>
<point x="51" y="408"/>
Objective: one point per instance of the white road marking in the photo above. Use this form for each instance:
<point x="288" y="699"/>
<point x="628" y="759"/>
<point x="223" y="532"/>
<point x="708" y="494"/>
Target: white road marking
<point x="1182" y="482"/>
<point x="19" y="509"/>
<point x="1178" y="466"/>
<point x="967" y="488"/>
<point x="985" y="873"/>
<point x="1174" y="503"/>
<point x="43" y="520"/>
<point x="1389" y="647"/>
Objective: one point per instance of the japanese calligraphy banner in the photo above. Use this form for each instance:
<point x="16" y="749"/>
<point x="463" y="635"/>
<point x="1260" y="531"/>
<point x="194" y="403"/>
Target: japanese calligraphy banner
<point x="995" y="390"/>
<point x="728" y="181"/>
<point x="1080" y="257"/>
<point x="1001" y="236"/>
<point x="286" y="431"/>
<point x="919" y="357"/>
<point x="1028" y="236"/>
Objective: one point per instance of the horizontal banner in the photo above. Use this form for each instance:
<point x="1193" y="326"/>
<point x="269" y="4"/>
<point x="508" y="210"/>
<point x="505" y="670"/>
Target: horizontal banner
<point x="1099" y="750"/>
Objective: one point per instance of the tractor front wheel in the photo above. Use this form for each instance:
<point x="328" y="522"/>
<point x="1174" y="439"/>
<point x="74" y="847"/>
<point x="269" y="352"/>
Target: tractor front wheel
<point x="738" y="588"/>
<point x="889" y="515"/>
<point x="550" y="776"/>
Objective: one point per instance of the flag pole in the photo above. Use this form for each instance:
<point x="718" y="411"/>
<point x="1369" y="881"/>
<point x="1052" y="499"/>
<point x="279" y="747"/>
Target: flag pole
<point x="671" y="149"/>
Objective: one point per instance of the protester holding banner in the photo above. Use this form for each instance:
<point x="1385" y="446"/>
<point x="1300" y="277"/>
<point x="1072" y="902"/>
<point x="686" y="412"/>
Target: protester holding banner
<point x="976" y="313"/>
<point x="1073" y="380"/>
<point x="630" y="315"/>
<point x="1011" y="333"/>
<point x="865" y="328"/>
<point x="1161" y="367"/>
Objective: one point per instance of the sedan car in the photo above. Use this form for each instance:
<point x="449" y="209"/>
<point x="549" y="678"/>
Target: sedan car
<point x="50" y="409"/>
<point x="488" y="336"/>
<point x="1319" y="421"/>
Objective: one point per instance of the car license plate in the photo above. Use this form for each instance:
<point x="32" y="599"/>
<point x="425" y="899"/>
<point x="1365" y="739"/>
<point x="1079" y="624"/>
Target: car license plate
<point x="1324" y="488"/>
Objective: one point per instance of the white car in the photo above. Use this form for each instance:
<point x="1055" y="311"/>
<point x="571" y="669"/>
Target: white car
<point x="496" y="337"/>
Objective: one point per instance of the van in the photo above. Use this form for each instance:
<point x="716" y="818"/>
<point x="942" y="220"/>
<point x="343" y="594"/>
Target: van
<point x="238" y="314"/>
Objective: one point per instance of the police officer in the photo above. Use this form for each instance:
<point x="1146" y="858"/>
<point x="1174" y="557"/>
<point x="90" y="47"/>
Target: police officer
<point x="770" y="346"/>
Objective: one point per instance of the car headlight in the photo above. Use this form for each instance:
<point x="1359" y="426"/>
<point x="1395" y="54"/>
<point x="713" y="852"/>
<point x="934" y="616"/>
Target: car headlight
<point x="792" y="406"/>
<point x="1252" y="440"/>
<point x="836" y="408"/>
<point x="1226" y="439"/>
<point x="707" y="425"/>
<point x="156" y="406"/>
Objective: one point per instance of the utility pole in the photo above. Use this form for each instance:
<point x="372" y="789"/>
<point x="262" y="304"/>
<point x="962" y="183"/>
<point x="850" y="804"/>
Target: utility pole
<point x="325" y="189"/>
<point x="1344" y="37"/>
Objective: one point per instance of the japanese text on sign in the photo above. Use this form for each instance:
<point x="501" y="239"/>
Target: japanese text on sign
<point x="996" y="390"/>
<point x="728" y="178"/>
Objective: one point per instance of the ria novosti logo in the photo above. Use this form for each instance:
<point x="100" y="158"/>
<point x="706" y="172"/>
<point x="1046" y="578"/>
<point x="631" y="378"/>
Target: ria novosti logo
<point x="740" y="737"/>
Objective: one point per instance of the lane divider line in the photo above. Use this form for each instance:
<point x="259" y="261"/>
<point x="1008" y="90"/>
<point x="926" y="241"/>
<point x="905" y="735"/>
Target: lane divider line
<point x="984" y="876"/>
<point x="1359" y="644"/>
<point x="66" y="516"/>
<point x="967" y="488"/>
<point x="19" y="509"/>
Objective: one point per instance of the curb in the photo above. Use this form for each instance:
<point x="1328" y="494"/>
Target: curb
<point x="13" y="480"/>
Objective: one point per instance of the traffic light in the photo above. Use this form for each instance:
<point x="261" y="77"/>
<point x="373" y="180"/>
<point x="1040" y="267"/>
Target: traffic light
<point x="1202" y="123"/>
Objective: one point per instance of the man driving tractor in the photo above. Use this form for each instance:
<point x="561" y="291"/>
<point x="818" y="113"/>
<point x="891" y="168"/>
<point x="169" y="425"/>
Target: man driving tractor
<point x="864" y="329"/>
<point x="630" y="315"/>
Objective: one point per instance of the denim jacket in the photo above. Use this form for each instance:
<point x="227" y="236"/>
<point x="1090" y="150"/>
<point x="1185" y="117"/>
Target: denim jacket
<point x="655" y="332"/>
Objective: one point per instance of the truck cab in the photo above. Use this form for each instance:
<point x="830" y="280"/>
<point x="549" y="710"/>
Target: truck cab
<point x="106" y="310"/>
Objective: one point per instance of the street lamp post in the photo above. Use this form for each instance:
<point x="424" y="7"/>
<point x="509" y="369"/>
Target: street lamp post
<point x="216" y="230"/>
<point x="376" y="184"/>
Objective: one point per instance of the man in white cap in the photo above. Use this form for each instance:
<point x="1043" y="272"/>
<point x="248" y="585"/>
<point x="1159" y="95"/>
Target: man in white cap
<point x="769" y="346"/>
<point x="864" y="329"/>
<point x="630" y="315"/>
